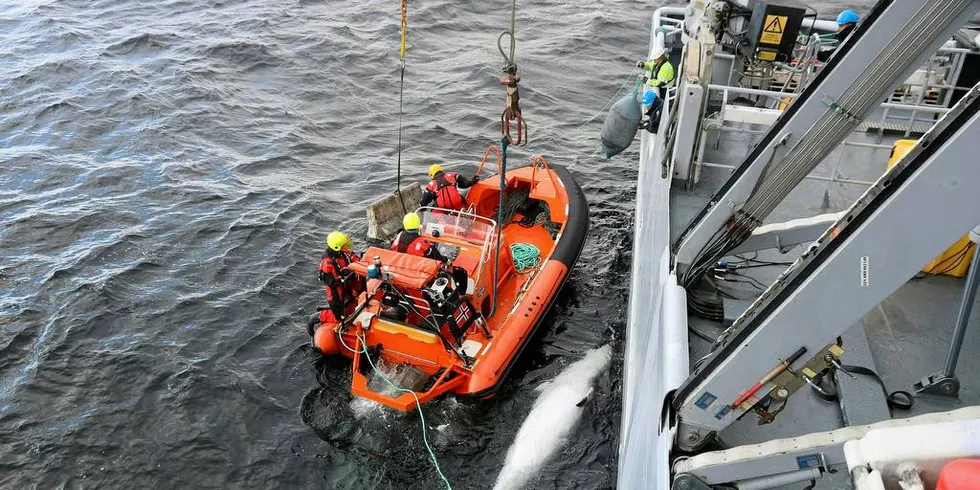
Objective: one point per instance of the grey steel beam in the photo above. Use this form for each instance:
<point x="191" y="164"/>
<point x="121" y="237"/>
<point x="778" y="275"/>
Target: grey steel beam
<point x="691" y="96"/>
<point x="912" y="213"/>
<point x="895" y="38"/>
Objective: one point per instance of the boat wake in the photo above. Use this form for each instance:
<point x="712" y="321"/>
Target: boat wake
<point x="553" y="415"/>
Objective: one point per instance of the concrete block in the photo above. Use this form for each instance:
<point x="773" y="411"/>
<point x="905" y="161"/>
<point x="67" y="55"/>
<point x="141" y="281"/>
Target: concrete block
<point x="384" y="216"/>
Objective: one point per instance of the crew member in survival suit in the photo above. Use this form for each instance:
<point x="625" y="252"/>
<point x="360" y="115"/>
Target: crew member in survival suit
<point x="444" y="188"/>
<point x="342" y="287"/>
<point x="410" y="242"/>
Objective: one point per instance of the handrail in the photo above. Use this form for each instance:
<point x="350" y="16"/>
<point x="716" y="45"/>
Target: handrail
<point x="534" y="170"/>
<point x="486" y="154"/>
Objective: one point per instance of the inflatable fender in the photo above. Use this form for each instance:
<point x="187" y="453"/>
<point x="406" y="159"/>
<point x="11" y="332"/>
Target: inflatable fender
<point x="325" y="340"/>
<point x="620" y="126"/>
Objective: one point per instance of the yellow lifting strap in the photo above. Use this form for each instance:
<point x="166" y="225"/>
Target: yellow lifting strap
<point x="385" y="215"/>
<point x="404" y="26"/>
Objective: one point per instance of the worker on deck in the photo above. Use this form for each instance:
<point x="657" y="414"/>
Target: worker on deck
<point x="846" y="22"/>
<point x="342" y="287"/>
<point x="652" y="105"/>
<point x="409" y="240"/>
<point x="659" y="70"/>
<point x="444" y="188"/>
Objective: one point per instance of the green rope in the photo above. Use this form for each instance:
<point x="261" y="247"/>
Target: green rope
<point x="632" y="76"/>
<point x="526" y="256"/>
<point x="418" y="405"/>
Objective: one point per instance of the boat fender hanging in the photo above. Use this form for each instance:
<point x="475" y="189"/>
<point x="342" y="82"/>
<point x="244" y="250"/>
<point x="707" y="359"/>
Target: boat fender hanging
<point x="620" y="126"/>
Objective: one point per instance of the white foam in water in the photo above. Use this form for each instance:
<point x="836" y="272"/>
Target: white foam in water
<point x="553" y="415"/>
<point x="362" y="408"/>
<point x="401" y="375"/>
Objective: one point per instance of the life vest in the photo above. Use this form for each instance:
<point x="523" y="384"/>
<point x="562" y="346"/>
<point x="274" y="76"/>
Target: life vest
<point x="333" y="266"/>
<point x="411" y="243"/>
<point x="444" y="188"/>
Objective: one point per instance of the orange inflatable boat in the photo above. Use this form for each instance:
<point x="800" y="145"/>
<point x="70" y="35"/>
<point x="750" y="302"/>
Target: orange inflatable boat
<point x="458" y="326"/>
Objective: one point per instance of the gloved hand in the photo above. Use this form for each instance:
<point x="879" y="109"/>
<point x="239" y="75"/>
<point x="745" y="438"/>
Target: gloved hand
<point x="639" y="64"/>
<point x="321" y="276"/>
<point x="476" y="178"/>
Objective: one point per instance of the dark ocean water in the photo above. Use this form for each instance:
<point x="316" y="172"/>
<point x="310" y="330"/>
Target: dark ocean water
<point x="169" y="171"/>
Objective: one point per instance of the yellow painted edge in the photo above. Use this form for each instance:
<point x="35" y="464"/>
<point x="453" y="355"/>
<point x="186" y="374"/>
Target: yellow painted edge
<point x="407" y="331"/>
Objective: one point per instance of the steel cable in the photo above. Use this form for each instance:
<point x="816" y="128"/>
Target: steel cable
<point x="881" y="74"/>
<point x="829" y="128"/>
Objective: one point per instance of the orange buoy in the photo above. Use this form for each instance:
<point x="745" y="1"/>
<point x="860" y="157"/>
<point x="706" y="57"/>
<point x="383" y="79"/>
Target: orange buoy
<point x="325" y="339"/>
<point x="962" y="474"/>
<point x="321" y="329"/>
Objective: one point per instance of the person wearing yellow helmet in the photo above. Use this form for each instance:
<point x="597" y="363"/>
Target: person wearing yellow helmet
<point x="411" y="242"/>
<point x="341" y="287"/>
<point x="444" y="187"/>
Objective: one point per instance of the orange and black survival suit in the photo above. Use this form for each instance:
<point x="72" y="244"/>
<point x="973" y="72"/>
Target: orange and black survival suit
<point x="342" y="287"/>
<point x="409" y="241"/>
<point x="443" y="190"/>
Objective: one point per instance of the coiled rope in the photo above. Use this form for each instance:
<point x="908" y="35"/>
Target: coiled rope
<point x="418" y="404"/>
<point x="526" y="256"/>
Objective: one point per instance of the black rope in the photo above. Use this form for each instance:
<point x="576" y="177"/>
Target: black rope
<point x="900" y="399"/>
<point x="398" y="178"/>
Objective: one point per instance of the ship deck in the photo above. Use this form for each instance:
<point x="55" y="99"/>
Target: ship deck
<point x="903" y="339"/>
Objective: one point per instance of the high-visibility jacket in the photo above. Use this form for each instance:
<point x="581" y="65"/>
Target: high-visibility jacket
<point x="659" y="74"/>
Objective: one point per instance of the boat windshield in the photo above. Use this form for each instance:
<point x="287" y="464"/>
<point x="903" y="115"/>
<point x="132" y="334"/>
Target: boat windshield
<point x="459" y="229"/>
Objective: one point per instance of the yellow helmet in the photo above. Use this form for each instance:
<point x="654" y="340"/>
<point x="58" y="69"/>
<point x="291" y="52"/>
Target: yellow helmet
<point x="337" y="240"/>
<point x="434" y="169"/>
<point x="411" y="222"/>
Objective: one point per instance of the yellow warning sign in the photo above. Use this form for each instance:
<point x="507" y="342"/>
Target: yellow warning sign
<point x="772" y="29"/>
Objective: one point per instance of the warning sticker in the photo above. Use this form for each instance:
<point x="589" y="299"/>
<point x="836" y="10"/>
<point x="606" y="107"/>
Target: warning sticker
<point x="772" y="29"/>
